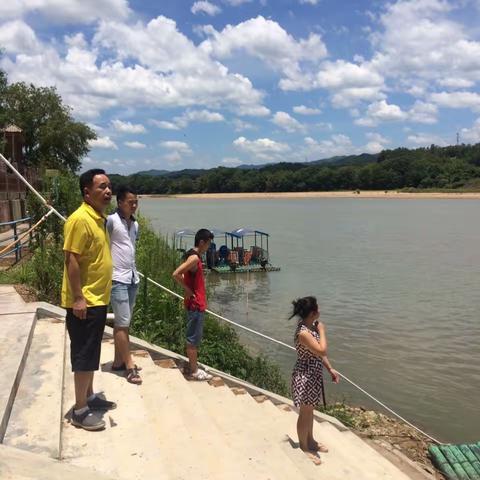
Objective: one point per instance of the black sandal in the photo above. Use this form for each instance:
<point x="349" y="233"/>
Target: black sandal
<point x="133" y="376"/>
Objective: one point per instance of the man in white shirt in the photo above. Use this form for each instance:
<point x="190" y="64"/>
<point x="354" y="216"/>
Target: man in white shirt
<point x="123" y="230"/>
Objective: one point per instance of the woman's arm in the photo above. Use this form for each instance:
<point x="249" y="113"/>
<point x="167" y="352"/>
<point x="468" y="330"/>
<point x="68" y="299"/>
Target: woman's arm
<point x="318" y="348"/>
<point x="333" y="373"/>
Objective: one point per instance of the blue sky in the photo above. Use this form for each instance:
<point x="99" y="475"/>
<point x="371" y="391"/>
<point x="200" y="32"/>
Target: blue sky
<point x="195" y="84"/>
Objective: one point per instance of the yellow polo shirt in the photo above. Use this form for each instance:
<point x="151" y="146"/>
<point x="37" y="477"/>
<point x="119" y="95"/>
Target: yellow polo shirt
<point x="86" y="235"/>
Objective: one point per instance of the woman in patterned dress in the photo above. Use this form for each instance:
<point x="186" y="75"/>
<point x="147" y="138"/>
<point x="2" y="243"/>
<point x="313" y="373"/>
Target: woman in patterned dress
<point x="311" y="346"/>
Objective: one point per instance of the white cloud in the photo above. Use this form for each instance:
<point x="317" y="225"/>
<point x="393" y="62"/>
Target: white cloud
<point x="471" y="135"/>
<point x="288" y="123"/>
<point x="189" y="116"/>
<point x="18" y="37"/>
<point x="262" y="148"/>
<point x="71" y="11"/>
<point x="269" y="42"/>
<point x="303" y="110"/>
<point x="134" y="65"/>
<point x="135" y="145"/>
<point x="337" y="144"/>
<point x="192" y="77"/>
<point x="423" y="112"/>
<point x="460" y="99"/>
<point x="128" y="127"/>
<point x="376" y="143"/>
<point x="420" y="40"/>
<point x="311" y="2"/>
<point x="341" y="74"/>
<point x="231" y="161"/>
<point x="173" y="158"/>
<point x="177" y="151"/>
<point x="381" y="112"/>
<point x="201" y="116"/>
<point x="425" y="140"/>
<point x="164" y="124"/>
<point x="180" y="147"/>
<point x="453" y="82"/>
<point x="103" y="142"/>
<point x="235" y="3"/>
<point x="349" y="83"/>
<point x="241" y="125"/>
<point x="205" y="7"/>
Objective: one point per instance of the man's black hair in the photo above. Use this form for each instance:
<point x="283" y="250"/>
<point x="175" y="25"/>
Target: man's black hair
<point x="203" y="234"/>
<point x="86" y="178"/>
<point x="123" y="191"/>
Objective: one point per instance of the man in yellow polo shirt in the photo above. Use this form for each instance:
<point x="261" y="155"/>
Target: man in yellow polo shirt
<point x="87" y="282"/>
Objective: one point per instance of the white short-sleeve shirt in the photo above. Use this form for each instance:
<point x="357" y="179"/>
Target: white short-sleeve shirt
<point x="122" y="244"/>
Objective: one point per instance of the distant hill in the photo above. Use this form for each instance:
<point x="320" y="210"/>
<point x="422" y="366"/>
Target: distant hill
<point x="153" y="173"/>
<point x="338" y="160"/>
<point x="450" y="167"/>
<point x="348" y="159"/>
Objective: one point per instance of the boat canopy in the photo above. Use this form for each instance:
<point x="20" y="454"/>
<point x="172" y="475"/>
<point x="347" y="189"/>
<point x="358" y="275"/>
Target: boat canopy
<point x="245" y="232"/>
<point x="218" y="233"/>
<point x="185" y="232"/>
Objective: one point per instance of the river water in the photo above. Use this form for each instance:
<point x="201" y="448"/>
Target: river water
<point x="398" y="286"/>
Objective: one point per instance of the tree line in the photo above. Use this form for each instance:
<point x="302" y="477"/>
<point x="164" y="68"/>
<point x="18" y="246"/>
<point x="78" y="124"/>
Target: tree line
<point x="452" y="167"/>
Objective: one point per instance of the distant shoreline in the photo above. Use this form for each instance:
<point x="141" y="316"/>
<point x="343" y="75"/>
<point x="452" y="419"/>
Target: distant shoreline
<point x="391" y="194"/>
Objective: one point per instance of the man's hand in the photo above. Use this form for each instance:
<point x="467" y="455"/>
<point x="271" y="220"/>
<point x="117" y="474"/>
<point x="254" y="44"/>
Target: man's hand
<point x="80" y="308"/>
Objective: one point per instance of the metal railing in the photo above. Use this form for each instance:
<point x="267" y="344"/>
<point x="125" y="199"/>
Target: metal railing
<point x="14" y="243"/>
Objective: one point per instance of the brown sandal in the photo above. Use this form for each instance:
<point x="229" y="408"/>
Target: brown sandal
<point x="133" y="376"/>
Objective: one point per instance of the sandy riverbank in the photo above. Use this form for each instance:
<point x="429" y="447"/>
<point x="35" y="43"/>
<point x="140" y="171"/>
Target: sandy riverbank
<point x="347" y="194"/>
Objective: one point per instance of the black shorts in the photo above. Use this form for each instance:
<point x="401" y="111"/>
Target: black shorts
<point x="86" y="338"/>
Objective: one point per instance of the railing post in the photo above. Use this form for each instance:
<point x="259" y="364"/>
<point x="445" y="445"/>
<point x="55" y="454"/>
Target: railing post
<point x="30" y="235"/>
<point x="15" y="238"/>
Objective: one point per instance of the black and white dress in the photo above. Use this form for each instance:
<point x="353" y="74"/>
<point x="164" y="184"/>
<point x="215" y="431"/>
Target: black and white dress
<point x="307" y="373"/>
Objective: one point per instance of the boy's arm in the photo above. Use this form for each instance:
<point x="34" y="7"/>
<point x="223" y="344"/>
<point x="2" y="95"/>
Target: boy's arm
<point x="178" y="275"/>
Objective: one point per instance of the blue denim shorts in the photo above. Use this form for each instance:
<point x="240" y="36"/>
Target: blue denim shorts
<point x="123" y="300"/>
<point x="195" y="327"/>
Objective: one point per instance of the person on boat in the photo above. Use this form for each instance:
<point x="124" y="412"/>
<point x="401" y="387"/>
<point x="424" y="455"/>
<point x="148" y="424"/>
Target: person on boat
<point x="123" y="230"/>
<point x="307" y="376"/>
<point x="86" y="286"/>
<point x="190" y="276"/>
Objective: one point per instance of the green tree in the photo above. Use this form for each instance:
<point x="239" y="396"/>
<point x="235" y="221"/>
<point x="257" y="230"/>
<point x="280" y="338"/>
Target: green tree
<point x="53" y="139"/>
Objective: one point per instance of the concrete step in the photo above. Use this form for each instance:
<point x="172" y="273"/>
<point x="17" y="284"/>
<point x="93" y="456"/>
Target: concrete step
<point x="336" y="462"/>
<point x="126" y="449"/>
<point x="266" y="417"/>
<point x="16" y="330"/>
<point x="332" y="467"/>
<point x="198" y="449"/>
<point x="35" y="419"/>
<point x="17" y="464"/>
<point x="354" y="452"/>
<point x="238" y="428"/>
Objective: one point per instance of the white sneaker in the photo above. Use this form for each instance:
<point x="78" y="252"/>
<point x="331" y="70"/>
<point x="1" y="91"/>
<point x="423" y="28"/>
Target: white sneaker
<point x="201" y="376"/>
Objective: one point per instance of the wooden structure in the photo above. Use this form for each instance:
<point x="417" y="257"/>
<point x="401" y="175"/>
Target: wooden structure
<point x="12" y="190"/>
